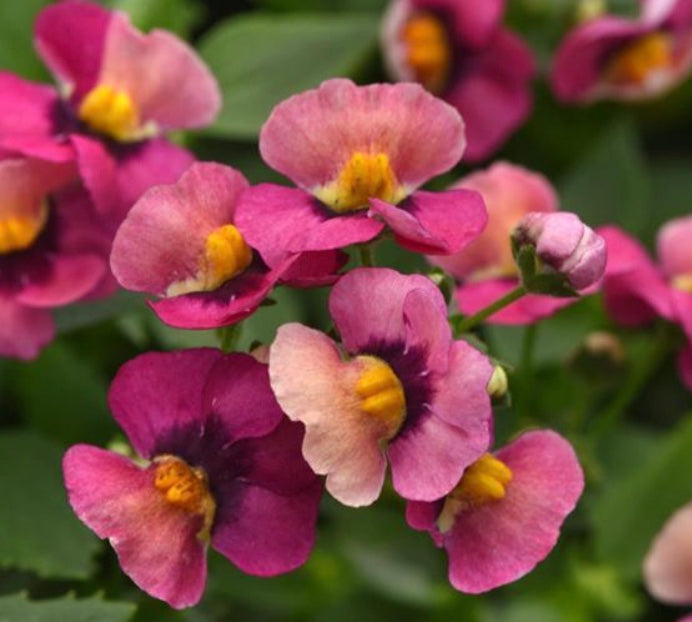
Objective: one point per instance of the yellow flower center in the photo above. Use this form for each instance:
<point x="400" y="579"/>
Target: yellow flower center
<point x="381" y="395"/>
<point x="485" y="481"/>
<point x="226" y="255"/>
<point x="428" y="51"/>
<point x="364" y="176"/>
<point x="18" y="233"/>
<point x="112" y="112"/>
<point x="638" y="60"/>
<point x="187" y="488"/>
<point x="682" y="282"/>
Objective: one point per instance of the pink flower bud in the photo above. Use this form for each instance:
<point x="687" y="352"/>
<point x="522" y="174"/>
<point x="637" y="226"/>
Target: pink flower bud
<point x="565" y="244"/>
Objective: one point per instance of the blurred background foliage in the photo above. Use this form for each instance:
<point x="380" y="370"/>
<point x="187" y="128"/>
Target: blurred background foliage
<point x="621" y="405"/>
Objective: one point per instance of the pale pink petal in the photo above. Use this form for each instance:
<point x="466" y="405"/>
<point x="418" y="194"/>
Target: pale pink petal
<point x="499" y="542"/>
<point x="656" y="11"/>
<point x="23" y="330"/>
<point x="156" y="543"/>
<point x="163" y="237"/>
<point x="682" y="304"/>
<point x="315" y="386"/>
<point x="668" y="564"/>
<point x="367" y="305"/>
<point x="311" y="136"/>
<point x="435" y="222"/>
<point x="673" y="247"/>
<point x="167" y="81"/>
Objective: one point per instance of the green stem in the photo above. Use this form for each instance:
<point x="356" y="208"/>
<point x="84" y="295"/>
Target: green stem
<point x="525" y="370"/>
<point x="366" y="254"/>
<point x="474" y="320"/>
<point x="229" y="336"/>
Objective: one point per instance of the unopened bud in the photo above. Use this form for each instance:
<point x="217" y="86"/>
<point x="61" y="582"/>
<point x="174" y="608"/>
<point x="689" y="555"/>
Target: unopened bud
<point x="498" y="384"/>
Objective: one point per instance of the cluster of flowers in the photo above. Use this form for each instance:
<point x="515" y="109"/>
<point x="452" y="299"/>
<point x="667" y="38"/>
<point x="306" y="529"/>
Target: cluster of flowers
<point x="231" y="445"/>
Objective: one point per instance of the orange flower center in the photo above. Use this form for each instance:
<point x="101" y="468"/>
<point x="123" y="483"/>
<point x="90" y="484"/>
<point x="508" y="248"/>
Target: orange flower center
<point x="428" y="51"/>
<point x="187" y="488"/>
<point x="111" y="111"/>
<point x="485" y="481"/>
<point x="638" y="60"/>
<point x="18" y="233"/>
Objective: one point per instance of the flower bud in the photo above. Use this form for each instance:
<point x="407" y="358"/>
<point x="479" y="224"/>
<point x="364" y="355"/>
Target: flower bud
<point x="563" y="244"/>
<point x="498" y="384"/>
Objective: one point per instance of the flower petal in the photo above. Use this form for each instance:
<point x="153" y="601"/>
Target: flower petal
<point x="23" y="330"/>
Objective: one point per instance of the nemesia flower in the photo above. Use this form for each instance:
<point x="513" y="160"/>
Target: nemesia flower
<point x="397" y="389"/>
<point x="180" y="242"/>
<point x="668" y="564"/>
<point x="505" y="514"/>
<point x="357" y="155"/>
<point x="53" y="251"/>
<point x="636" y="291"/>
<point x="220" y="465"/>
<point x="119" y="91"/>
<point x="613" y="57"/>
<point x="486" y="268"/>
<point x="459" y="50"/>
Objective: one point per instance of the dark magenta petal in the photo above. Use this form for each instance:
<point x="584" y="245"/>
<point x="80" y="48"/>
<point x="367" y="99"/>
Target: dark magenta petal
<point x="277" y="220"/>
<point x="23" y="330"/>
<point x="158" y="391"/>
<point x="156" y="543"/>
<point x="315" y="269"/>
<point x="70" y="37"/>
<point x="685" y="365"/>
<point x="264" y="533"/>
<point x="435" y="222"/>
<point x="473" y="23"/>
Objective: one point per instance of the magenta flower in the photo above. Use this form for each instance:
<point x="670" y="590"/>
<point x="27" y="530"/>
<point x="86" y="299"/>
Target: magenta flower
<point x="612" y="57"/>
<point x="505" y="514"/>
<point x="668" y="564"/>
<point x="358" y="154"/>
<point x="119" y="91"/>
<point x="221" y="465"/>
<point x="637" y="291"/>
<point x="459" y="50"/>
<point x="486" y="268"/>
<point x="180" y="242"/>
<point x="53" y="250"/>
<point x="398" y="388"/>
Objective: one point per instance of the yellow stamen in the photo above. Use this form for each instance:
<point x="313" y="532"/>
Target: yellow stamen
<point x="226" y="255"/>
<point x="485" y="481"/>
<point x="683" y="282"/>
<point x="428" y="51"/>
<point x="637" y="61"/>
<point x="18" y="233"/>
<point x="381" y="394"/>
<point x="187" y="488"/>
<point x="364" y="176"/>
<point x="112" y="112"/>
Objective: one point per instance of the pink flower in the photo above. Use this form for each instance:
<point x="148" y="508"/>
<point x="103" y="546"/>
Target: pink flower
<point x="486" y="268"/>
<point x="505" y="514"/>
<point x="459" y="50"/>
<point x="180" y="242"/>
<point x="613" y="57"/>
<point x="668" y="564"/>
<point x="220" y="465"/>
<point x="358" y="154"/>
<point x="53" y="250"/>
<point x="119" y="91"/>
<point x="637" y="291"/>
<point x="398" y="389"/>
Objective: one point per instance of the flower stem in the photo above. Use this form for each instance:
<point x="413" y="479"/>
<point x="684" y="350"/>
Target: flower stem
<point x="229" y="336"/>
<point x="474" y="320"/>
<point x="366" y="254"/>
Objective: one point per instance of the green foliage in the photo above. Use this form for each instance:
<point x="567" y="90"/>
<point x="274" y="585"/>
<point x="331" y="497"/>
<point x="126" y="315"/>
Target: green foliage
<point x="20" y="609"/>
<point x="262" y="59"/>
<point x="16" y="48"/>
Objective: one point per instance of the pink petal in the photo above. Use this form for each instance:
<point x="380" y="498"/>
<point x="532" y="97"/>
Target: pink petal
<point x="168" y="82"/>
<point x="313" y="385"/>
<point x="682" y="304"/>
<point x="367" y="305"/>
<point x="499" y="542"/>
<point x="23" y="330"/>
<point x="673" y="247"/>
<point x="162" y="238"/>
<point x="70" y="37"/>
<point x="472" y="23"/>
<point x="315" y="269"/>
<point x="509" y="192"/>
<point x="158" y="391"/>
<point x="277" y="220"/>
<point x="266" y="533"/>
<point x="435" y="222"/>
<point x="668" y="564"/>
<point x="309" y="137"/>
<point x="27" y="109"/>
<point x="156" y="543"/>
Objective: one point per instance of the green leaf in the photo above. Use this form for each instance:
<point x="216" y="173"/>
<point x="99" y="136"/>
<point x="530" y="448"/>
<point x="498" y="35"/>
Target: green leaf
<point x="16" y="48"/>
<point x="88" y="313"/>
<point x="611" y="184"/>
<point x="39" y="531"/>
<point x="18" y="608"/>
<point x="178" y="16"/>
<point x="260" y="60"/>
<point x="323" y="5"/>
<point x="629" y="512"/>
